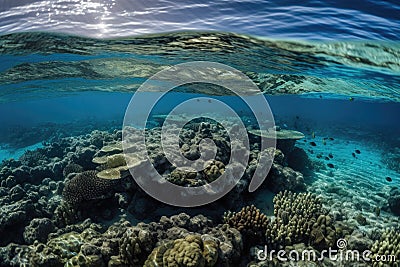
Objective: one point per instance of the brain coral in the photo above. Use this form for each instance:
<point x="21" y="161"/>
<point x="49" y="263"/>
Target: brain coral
<point x="87" y="186"/>
<point x="191" y="251"/>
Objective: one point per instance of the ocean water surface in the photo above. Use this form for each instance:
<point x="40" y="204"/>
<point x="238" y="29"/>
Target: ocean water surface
<point x="329" y="71"/>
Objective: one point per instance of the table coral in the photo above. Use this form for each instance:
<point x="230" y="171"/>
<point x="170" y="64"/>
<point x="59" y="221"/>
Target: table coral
<point x="87" y="186"/>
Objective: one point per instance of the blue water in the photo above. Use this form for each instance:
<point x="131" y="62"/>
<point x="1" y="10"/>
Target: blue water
<point x="327" y="20"/>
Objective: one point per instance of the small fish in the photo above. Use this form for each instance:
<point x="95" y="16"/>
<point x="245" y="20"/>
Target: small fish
<point x="327" y="158"/>
<point x="357" y="151"/>
<point x="305" y="140"/>
<point x="319" y="155"/>
<point x="297" y="117"/>
<point x="330" y="155"/>
<point x="389" y="179"/>
<point x="353" y="154"/>
<point x="324" y="142"/>
<point x="330" y="165"/>
<point x="377" y="211"/>
<point x="209" y="100"/>
<point x="313" y="144"/>
<point x="331" y="138"/>
<point x="313" y="135"/>
<point x="320" y="96"/>
<point x="351" y="98"/>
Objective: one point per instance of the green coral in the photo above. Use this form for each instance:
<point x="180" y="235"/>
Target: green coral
<point x="190" y="251"/>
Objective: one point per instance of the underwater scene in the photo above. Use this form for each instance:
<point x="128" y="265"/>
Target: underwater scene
<point x="199" y="148"/>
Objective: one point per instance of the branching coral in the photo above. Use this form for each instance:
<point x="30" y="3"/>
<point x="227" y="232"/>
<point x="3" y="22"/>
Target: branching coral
<point x="387" y="247"/>
<point x="251" y="223"/>
<point x="299" y="218"/>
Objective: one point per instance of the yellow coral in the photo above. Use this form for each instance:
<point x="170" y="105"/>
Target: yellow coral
<point x="191" y="251"/>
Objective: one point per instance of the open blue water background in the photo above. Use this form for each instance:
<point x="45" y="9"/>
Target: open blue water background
<point x="30" y="103"/>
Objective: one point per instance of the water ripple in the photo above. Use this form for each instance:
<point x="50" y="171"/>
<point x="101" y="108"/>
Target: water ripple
<point x="286" y="19"/>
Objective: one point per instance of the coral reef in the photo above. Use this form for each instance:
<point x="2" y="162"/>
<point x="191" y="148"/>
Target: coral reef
<point x="41" y="228"/>
<point x="299" y="218"/>
<point x="189" y="251"/>
<point x="394" y="201"/>
<point x="135" y="245"/>
<point x="285" y="139"/>
<point x="184" y="178"/>
<point x="72" y="168"/>
<point x="387" y="247"/>
<point x="38" y="229"/>
<point x="251" y="223"/>
<point x="87" y="186"/>
<point x="213" y="170"/>
<point x="190" y="241"/>
<point x="282" y="178"/>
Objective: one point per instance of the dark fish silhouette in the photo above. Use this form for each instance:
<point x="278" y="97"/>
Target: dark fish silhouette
<point x="330" y="155"/>
<point x="330" y="165"/>
<point x="354" y="155"/>
<point x="327" y="158"/>
<point x="377" y="211"/>
<point x="319" y="155"/>
<point x="357" y="151"/>
<point x="313" y="144"/>
<point x="389" y="179"/>
<point x="331" y="138"/>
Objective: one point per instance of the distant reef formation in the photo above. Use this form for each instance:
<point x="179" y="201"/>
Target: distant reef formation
<point x="74" y="203"/>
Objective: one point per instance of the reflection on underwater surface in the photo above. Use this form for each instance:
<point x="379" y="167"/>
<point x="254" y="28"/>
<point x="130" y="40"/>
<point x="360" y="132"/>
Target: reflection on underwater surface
<point x="69" y="199"/>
